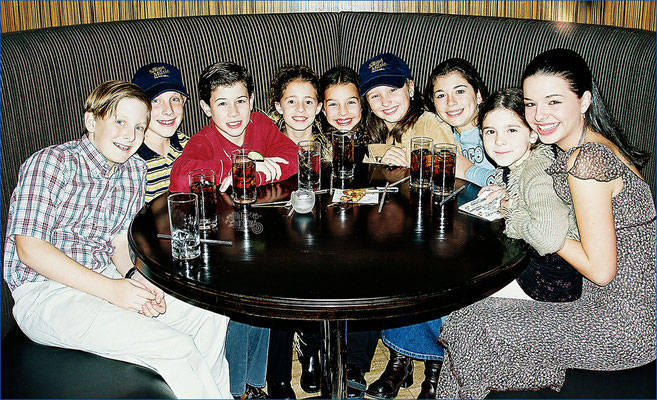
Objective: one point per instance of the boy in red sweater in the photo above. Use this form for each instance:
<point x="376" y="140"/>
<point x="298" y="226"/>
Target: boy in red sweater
<point x="226" y="91"/>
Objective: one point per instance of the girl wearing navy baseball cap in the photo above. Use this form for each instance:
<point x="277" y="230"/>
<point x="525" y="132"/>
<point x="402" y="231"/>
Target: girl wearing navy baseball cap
<point x="395" y="111"/>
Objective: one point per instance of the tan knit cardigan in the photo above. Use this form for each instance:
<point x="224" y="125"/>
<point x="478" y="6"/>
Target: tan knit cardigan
<point x="537" y="215"/>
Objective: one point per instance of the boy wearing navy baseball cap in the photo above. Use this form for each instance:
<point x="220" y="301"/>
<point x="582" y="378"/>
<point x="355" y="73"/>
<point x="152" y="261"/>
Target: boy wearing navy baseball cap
<point x="163" y="142"/>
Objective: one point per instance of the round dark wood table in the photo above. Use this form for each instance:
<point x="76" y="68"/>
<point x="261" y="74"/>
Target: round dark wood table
<point x="338" y="263"/>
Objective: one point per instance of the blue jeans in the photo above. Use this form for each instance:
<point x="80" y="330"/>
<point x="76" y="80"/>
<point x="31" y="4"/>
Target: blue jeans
<point x="418" y="341"/>
<point x="246" y="351"/>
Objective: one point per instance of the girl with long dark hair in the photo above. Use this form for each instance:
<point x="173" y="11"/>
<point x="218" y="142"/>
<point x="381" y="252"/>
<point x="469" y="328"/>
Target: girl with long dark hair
<point x="511" y="344"/>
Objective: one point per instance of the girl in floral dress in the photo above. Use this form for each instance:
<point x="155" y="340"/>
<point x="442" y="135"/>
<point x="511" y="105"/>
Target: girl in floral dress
<point x="510" y="344"/>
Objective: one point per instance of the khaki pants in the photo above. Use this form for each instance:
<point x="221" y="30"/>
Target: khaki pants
<point x="185" y="345"/>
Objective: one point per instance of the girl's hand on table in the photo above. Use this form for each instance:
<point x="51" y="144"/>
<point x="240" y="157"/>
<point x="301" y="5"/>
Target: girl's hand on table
<point x="492" y="191"/>
<point x="395" y="156"/>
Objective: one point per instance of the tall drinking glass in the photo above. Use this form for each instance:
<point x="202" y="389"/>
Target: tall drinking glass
<point x="444" y="168"/>
<point x="202" y="182"/>
<point x="343" y="154"/>
<point x="183" y="221"/>
<point x="244" y="177"/>
<point x="421" y="162"/>
<point x="310" y="164"/>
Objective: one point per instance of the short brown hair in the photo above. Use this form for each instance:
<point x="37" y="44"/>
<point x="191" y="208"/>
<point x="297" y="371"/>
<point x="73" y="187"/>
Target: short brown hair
<point x="106" y="96"/>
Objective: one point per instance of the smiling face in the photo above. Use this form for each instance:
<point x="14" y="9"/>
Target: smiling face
<point x="342" y="106"/>
<point x="117" y="136"/>
<point x="230" y="109"/>
<point x="507" y="139"/>
<point x="298" y="106"/>
<point x="456" y="101"/>
<point x="166" y="114"/>
<point x="554" y="111"/>
<point x="390" y="103"/>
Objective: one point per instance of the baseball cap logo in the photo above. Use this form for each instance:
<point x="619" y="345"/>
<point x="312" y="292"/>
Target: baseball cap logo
<point x="159" y="72"/>
<point x="377" y="65"/>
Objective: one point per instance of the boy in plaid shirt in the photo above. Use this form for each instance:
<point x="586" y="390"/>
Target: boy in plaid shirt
<point x="67" y="261"/>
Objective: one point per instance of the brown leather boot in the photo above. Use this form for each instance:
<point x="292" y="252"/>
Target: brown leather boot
<point x="431" y="373"/>
<point x="398" y="373"/>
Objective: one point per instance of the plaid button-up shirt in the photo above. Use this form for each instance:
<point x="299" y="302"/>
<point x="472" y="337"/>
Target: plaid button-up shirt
<point x="69" y="196"/>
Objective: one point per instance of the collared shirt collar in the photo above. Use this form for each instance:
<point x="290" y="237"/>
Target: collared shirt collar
<point x="97" y="159"/>
<point x="147" y="153"/>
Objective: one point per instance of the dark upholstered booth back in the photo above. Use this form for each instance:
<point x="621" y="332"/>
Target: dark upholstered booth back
<point x="47" y="74"/>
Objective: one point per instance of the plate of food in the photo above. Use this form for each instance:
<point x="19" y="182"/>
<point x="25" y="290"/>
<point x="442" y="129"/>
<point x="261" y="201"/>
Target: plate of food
<point x="355" y="196"/>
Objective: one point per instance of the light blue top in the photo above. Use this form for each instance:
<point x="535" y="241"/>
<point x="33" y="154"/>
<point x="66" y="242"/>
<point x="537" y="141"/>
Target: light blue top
<point x="472" y="147"/>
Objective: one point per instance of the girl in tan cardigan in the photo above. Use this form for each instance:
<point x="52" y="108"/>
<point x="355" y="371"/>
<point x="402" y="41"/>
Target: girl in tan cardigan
<point x="532" y="210"/>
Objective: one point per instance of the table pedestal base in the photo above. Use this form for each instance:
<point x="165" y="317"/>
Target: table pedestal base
<point x="333" y="356"/>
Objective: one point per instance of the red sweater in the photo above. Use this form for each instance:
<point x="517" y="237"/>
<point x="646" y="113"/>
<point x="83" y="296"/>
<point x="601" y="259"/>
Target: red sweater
<point x="209" y="149"/>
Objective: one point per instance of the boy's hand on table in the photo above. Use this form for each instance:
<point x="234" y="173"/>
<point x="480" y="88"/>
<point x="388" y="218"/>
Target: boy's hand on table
<point x="270" y="167"/>
<point x="226" y="183"/>
<point x="129" y="294"/>
<point x="270" y="193"/>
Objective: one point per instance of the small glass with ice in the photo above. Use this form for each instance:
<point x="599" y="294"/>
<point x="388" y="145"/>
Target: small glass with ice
<point x="183" y="221"/>
<point x="310" y="164"/>
<point x="202" y="182"/>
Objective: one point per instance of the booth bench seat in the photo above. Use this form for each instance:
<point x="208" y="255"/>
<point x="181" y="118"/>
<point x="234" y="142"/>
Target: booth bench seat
<point x="33" y="371"/>
<point x="48" y="73"/>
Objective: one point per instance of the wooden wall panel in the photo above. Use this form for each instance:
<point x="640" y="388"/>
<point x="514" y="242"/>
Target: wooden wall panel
<point x="22" y="15"/>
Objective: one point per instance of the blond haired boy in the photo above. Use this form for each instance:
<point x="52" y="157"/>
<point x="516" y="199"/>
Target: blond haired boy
<point x="66" y="257"/>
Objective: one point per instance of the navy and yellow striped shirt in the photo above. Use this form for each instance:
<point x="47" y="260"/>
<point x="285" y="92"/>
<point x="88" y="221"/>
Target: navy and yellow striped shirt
<point x="159" y="167"/>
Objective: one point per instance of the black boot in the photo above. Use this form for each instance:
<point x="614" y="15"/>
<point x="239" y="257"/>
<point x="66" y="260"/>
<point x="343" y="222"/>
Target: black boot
<point x="310" y="373"/>
<point x="280" y="390"/>
<point x="431" y="373"/>
<point x="398" y="373"/>
<point x="356" y="384"/>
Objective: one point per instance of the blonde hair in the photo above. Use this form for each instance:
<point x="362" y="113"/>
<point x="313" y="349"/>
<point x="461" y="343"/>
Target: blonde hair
<point x="104" y="99"/>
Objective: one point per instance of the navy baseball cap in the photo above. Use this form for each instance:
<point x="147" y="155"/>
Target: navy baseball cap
<point x="157" y="78"/>
<point x="384" y="69"/>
